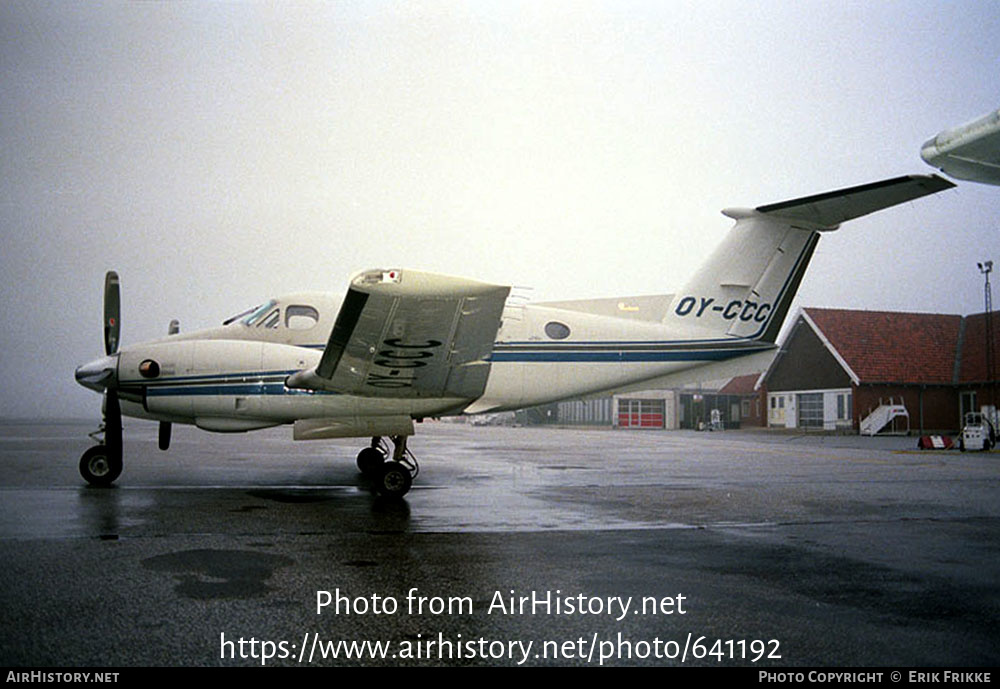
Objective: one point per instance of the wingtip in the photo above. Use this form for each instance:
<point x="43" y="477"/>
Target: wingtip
<point x="933" y="183"/>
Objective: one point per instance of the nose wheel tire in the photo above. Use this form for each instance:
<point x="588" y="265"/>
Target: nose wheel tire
<point x="99" y="467"/>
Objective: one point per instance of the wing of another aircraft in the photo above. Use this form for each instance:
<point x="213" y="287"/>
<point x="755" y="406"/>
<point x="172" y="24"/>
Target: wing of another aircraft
<point x="970" y="151"/>
<point x="405" y="333"/>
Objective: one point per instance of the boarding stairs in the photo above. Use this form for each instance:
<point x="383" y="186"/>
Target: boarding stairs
<point x="886" y="415"/>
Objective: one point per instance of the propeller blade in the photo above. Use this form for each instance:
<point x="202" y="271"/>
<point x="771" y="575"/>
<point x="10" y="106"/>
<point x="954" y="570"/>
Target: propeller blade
<point x="113" y="423"/>
<point x="165" y="427"/>
<point x="112" y="312"/>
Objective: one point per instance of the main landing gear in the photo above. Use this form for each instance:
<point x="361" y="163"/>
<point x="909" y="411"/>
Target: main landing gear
<point x="392" y="478"/>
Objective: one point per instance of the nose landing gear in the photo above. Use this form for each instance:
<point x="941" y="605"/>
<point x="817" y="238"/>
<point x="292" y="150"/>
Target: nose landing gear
<point x="99" y="466"/>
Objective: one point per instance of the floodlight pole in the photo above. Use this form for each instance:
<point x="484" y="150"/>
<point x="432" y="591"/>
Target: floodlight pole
<point x="986" y="268"/>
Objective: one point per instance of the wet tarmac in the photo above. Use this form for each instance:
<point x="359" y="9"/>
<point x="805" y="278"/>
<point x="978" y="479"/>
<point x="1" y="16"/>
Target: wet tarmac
<point x="516" y="546"/>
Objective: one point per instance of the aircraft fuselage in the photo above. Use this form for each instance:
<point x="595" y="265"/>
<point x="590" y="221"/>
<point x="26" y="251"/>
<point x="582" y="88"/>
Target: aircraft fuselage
<point x="232" y="378"/>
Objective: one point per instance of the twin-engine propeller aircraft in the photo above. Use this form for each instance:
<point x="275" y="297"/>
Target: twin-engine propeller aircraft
<point x="404" y="345"/>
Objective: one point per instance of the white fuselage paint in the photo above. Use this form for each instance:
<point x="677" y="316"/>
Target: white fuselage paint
<point x="232" y="378"/>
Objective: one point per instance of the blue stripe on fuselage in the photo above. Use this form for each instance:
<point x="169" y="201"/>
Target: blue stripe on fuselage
<point x="615" y="356"/>
<point x="258" y="389"/>
<point x="272" y="382"/>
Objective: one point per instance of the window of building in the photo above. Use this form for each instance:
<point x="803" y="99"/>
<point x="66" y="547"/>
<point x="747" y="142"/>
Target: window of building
<point x="968" y="402"/>
<point x="844" y="410"/>
<point x="811" y="410"/>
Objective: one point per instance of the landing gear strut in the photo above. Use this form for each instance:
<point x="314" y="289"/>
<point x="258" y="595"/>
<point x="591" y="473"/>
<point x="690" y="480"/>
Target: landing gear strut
<point x="101" y="465"/>
<point x="392" y="478"/>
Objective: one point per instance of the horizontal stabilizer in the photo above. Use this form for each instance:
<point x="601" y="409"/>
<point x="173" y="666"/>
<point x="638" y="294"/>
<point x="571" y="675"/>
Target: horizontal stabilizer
<point x="745" y="288"/>
<point x="832" y="208"/>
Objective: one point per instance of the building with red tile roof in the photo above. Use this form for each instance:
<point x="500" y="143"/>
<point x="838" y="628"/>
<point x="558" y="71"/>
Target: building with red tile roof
<point x="752" y="399"/>
<point x="837" y="365"/>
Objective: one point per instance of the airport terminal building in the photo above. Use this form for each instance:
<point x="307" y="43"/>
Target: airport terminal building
<point x="736" y="405"/>
<point x="834" y="371"/>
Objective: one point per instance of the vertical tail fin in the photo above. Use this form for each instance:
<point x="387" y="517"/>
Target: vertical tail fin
<point x="746" y="287"/>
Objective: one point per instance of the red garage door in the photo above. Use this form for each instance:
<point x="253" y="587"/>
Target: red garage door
<point x="640" y="413"/>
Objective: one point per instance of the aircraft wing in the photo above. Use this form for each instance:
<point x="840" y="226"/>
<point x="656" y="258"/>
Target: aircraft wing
<point x="405" y="333"/>
<point x="970" y="151"/>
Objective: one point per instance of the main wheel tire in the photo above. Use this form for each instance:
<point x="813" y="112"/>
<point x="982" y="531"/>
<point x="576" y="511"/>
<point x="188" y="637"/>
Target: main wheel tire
<point x="370" y="461"/>
<point x="100" y="467"/>
<point x="394" y="481"/>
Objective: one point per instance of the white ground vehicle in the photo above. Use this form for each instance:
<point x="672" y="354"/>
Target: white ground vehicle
<point x="977" y="432"/>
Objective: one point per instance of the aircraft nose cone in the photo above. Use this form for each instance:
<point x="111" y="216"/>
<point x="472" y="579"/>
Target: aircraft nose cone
<point x="97" y="374"/>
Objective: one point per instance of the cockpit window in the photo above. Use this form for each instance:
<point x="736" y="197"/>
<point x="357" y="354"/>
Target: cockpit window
<point x="241" y="314"/>
<point x="300" y="317"/>
<point x="271" y="321"/>
<point x="265" y="316"/>
<point x="297" y="316"/>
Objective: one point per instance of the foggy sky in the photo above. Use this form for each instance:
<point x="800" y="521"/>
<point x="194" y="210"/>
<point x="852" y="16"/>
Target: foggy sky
<point x="217" y="154"/>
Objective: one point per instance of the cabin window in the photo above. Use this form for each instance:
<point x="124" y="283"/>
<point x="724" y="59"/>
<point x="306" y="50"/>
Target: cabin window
<point x="557" y="330"/>
<point x="300" y="317"/>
